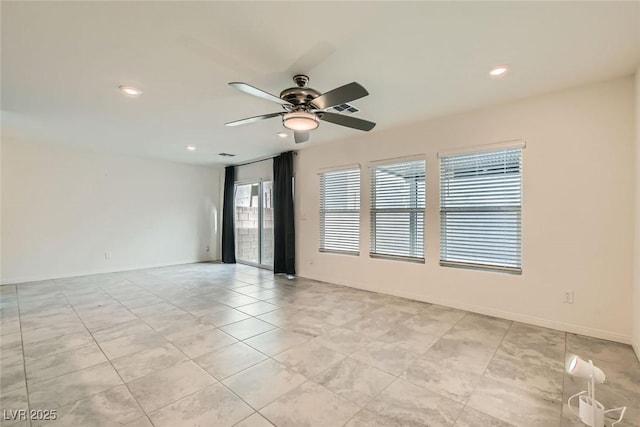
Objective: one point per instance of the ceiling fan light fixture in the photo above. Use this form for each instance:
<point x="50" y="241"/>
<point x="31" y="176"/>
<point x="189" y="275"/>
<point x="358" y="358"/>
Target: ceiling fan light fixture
<point x="300" y="120"/>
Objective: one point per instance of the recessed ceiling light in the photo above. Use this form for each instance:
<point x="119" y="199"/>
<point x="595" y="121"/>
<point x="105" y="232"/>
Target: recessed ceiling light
<point x="130" y="91"/>
<point x="191" y="147"/>
<point x="282" y="134"/>
<point x="498" y="70"/>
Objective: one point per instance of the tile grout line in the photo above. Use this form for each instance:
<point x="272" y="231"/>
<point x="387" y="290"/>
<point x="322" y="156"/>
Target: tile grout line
<point x="190" y="359"/>
<point x="169" y="342"/>
<point x="363" y="408"/>
<point x="144" y="411"/>
<point x="485" y="371"/>
<point x="110" y="364"/>
<point x="195" y="294"/>
<point x="282" y="395"/>
<point x="272" y="358"/>
<point x="396" y="377"/>
<point x="24" y="360"/>
<point x="481" y="375"/>
<point x="220" y="382"/>
<point x="65" y="373"/>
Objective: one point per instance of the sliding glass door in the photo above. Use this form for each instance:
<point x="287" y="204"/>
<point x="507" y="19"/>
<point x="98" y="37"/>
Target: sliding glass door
<point x="254" y="223"/>
<point x="266" y="243"/>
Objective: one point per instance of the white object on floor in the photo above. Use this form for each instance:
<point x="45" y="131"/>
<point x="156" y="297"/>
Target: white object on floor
<point x="590" y="411"/>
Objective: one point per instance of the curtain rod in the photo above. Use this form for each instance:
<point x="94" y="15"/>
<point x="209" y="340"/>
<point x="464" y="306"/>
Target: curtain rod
<point x="295" y="153"/>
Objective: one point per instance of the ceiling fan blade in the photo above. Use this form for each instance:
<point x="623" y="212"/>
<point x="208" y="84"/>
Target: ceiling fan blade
<point x="252" y="119"/>
<point x="340" y="95"/>
<point x="300" y="136"/>
<point x="258" y="92"/>
<point x="351" y="122"/>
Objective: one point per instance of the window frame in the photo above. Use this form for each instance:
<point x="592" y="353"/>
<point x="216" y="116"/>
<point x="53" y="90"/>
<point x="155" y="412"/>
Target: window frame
<point x="322" y="211"/>
<point x="496" y="209"/>
<point x="413" y="212"/>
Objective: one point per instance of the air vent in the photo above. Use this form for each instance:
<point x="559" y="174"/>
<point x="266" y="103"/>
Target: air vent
<point x="343" y="108"/>
<point x="226" y="155"/>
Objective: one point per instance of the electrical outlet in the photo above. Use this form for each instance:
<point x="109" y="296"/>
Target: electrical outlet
<point x="568" y="297"/>
<point x="207" y="249"/>
<point x="107" y="255"/>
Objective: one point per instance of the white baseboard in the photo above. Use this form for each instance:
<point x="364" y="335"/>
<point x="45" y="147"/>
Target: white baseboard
<point x="546" y="323"/>
<point x="40" y="277"/>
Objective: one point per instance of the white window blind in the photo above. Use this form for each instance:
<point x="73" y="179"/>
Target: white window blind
<point x="397" y="210"/>
<point x="340" y="211"/>
<point x="480" y="210"/>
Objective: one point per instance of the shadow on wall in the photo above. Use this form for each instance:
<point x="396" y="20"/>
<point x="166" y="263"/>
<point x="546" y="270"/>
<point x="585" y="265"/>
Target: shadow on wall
<point x="207" y="229"/>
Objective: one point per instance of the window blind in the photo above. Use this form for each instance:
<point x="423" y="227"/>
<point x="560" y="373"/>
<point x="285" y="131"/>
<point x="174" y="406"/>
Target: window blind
<point x="397" y="210"/>
<point x="340" y="211"/>
<point x="480" y="210"/>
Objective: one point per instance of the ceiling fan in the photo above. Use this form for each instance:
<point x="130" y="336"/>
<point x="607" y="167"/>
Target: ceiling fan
<point x="304" y="107"/>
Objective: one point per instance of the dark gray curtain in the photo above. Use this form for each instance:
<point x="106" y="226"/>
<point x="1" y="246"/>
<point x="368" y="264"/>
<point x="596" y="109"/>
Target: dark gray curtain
<point x="228" y="231"/>
<point x="284" y="232"/>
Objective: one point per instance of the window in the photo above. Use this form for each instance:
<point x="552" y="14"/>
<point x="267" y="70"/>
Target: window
<point x="340" y="211"/>
<point x="480" y="203"/>
<point x="397" y="210"/>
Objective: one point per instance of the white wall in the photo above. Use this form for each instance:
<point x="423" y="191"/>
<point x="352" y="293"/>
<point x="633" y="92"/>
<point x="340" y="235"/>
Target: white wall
<point x="577" y="211"/>
<point x="63" y="208"/>
<point x="636" y="282"/>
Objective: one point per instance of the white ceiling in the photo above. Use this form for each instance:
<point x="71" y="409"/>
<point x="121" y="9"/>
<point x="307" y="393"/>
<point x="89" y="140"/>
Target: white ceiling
<point x="63" y="61"/>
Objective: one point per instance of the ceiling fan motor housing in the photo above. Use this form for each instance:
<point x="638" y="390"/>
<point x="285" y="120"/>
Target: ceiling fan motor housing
<point x="300" y="95"/>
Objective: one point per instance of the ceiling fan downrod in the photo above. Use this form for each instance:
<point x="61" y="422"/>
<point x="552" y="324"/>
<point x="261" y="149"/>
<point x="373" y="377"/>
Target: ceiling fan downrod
<point x="301" y="80"/>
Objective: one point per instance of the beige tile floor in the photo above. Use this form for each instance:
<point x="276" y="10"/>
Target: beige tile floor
<point x="224" y="345"/>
